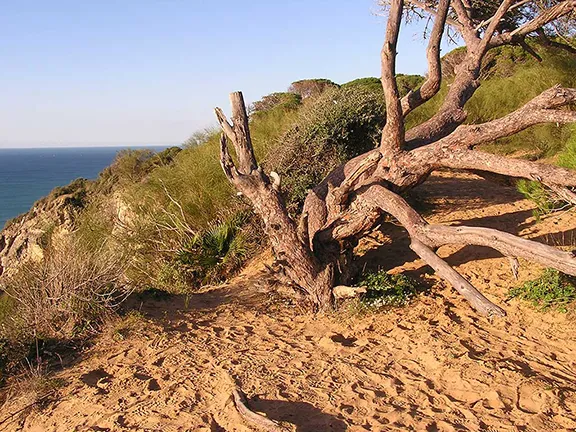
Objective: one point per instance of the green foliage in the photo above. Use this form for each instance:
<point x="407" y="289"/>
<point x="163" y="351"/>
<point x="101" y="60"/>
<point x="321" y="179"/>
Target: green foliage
<point x="534" y="191"/>
<point x="406" y="83"/>
<point x="551" y="290"/>
<point x="286" y="101"/>
<point x="338" y="125"/>
<point x="217" y="252"/>
<point x="384" y="290"/>
<point x="308" y="88"/>
<point x="132" y="166"/>
<point x="567" y="157"/>
<point x="371" y="84"/>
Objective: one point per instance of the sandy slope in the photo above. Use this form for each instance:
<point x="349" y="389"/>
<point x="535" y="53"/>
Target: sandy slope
<point x="433" y="366"/>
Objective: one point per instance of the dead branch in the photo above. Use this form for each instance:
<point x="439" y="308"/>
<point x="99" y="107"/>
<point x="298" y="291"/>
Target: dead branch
<point x="519" y="168"/>
<point x="545" y="17"/>
<point x="393" y="132"/>
<point x="252" y="417"/>
<point x="303" y="267"/>
<point x="475" y="297"/>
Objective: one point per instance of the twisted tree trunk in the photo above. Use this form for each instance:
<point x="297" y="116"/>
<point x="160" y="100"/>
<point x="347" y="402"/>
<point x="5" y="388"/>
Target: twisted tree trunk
<point x="351" y="200"/>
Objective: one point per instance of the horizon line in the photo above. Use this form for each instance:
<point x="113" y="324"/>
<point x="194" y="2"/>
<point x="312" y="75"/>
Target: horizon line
<point x="56" y="146"/>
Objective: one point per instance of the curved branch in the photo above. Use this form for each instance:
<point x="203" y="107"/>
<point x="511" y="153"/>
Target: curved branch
<point x="494" y="22"/>
<point x="519" y="168"/>
<point x="507" y="244"/>
<point x="432" y="84"/>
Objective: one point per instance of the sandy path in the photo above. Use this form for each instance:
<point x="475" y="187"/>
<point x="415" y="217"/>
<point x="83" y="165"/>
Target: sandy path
<point x="433" y="366"/>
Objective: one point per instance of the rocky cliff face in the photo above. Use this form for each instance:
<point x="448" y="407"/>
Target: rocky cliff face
<point x="26" y="236"/>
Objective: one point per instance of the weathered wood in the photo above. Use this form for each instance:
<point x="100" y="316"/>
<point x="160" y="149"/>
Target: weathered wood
<point x="302" y="267"/>
<point x="475" y="297"/>
<point x="252" y="417"/>
<point x="393" y="132"/>
<point x="431" y="85"/>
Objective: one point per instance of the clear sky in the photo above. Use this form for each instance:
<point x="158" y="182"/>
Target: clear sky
<point x="118" y="72"/>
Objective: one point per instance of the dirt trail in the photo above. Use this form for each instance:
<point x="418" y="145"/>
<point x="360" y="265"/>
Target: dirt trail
<point x="435" y="365"/>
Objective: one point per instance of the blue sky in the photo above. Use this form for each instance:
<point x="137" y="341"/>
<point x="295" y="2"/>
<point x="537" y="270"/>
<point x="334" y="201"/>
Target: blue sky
<point x="117" y="72"/>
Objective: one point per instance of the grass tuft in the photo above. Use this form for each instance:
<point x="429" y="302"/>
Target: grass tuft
<point x="553" y="289"/>
<point x="385" y="290"/>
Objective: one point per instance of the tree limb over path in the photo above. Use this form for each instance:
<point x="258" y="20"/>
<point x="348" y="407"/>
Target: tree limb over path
<point x="352" y="199"/>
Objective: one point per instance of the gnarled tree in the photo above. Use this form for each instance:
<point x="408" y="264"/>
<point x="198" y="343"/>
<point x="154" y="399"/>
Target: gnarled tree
<point x="351" y="200"/>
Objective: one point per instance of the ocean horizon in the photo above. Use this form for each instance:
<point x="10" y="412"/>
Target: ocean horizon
<point x="28" y="174"/>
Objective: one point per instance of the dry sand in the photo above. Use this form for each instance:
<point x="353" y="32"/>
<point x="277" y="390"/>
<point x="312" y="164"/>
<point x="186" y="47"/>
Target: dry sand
<point x="434" y="366"/>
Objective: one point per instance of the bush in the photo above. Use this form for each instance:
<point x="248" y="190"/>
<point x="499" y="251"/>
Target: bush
<point x="288" y="101"/>
<point x="219" y="251"/>
<point x="71" y="288"/>
<point x="309" y="88"/>
<point x="339" y="124"/>
<point x="551" y="290"/>
<point x="384" y="290"/>
<point x="567" y="157"/>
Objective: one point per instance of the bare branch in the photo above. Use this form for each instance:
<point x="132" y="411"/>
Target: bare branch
<point x="460" y="284"/>
<point x="519" y="168"/>
<point x="435" y="12"/>
<point x="238" y="133"/>
<point x="393" y="132"/>
<point x="252" y="417"/>
<point x="432" y="84"/>
<point x="489" y="20"/>
<point x="243" y="142"/>
<point x="545" y="17"/>
<point x="494" y="22"/>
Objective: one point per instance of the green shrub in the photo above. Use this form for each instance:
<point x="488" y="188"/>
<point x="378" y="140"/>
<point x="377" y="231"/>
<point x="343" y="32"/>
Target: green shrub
<point x="371" y="84"/>
<point x="384" y="290"/>
<point x="285" y="101"/>
<point x="542" y="198"/>
<point x="219" y="251"/>
<point x="551" y="290"/>
<point x="567" y="157"/>
<point x="339" y="124"/>
<point x="406" y="83"/>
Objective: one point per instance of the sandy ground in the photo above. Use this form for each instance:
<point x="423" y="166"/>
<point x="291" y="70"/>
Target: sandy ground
<point x="433" y="366"/>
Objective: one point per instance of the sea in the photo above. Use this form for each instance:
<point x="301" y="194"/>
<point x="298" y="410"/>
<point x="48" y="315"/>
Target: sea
<point x="27" y="175"/>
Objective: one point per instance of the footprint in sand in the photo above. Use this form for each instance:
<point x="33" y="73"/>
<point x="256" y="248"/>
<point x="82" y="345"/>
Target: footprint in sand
<point x="96" y="377"/>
